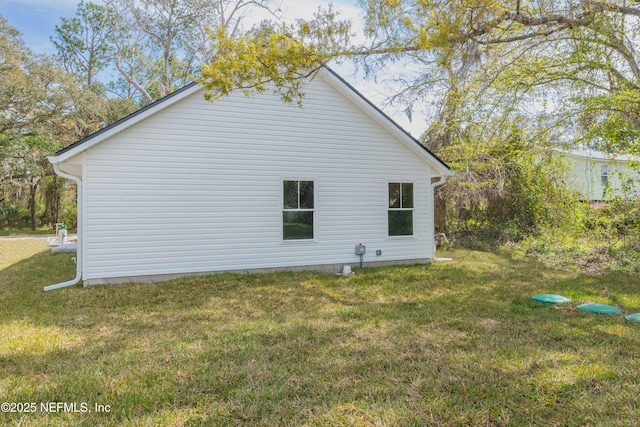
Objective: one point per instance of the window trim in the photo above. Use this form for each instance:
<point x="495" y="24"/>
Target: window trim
<point x="314" y="210"/>
<point x="604" y="174"/>
<point x="413" y="209"/>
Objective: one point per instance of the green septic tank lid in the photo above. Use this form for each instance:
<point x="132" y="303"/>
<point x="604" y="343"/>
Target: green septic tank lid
<point x="599" y="308"/>
<point x="550" y="299"/>
<point x="633" y="317"/>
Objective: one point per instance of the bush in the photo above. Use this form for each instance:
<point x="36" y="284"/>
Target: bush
<point x="508" y="193"/>
<point x="13" y="217"/>
<point x="601" y="239"/>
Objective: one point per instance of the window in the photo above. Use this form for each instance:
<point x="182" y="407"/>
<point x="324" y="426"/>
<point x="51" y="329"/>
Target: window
<point x="604" y="174"/>
<point x="297" y="210"/>
<point x="400" y="209"/>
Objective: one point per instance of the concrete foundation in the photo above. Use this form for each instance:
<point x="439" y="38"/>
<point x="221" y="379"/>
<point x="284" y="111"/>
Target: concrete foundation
<point x="326" y="268"/>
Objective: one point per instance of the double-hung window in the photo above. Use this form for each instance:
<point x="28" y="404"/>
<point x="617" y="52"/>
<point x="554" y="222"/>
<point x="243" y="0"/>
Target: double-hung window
<point x="400" y="214"/>
<point x="298" y="210"/>
<point x="604" y="174"/>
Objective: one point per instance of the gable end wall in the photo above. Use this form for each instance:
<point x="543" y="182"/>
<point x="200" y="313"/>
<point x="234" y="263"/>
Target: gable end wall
<point x="197" y="188"/>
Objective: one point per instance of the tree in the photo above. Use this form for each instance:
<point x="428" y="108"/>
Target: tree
<point x="461" y="49"/>
<point x="278" y="55"/>
<point x="42" y="109"/>
<point x="545" y="69"/>
<point x="161" y="44"/>
<point x="82" y="42"/>
<point x="155" y="46"/>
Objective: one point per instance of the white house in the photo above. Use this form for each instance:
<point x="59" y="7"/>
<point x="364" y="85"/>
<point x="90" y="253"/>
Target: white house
<point x="599" y="177"/>
<point x="185" y="186"/>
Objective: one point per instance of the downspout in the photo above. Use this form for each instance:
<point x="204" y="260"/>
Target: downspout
<point x="79" y="253"/>
<point x="438" y="183"/>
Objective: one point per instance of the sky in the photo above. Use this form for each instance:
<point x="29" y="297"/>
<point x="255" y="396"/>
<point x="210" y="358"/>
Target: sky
<point x="36" y="20"/>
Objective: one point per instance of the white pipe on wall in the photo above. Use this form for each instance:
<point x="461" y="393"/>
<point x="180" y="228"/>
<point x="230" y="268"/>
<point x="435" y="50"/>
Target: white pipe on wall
<point x="79" y="254"/>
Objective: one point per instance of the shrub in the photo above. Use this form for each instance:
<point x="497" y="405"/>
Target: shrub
<point x="13" y="217"/>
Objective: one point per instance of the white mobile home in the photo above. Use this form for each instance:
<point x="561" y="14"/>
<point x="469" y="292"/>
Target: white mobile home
<point x="599" y="177"/>
<point x="185" y="186"/>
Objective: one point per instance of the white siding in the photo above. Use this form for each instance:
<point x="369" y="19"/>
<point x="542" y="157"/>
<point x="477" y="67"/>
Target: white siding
<point x="584" y="176"/>
<point x="197" y="187"/>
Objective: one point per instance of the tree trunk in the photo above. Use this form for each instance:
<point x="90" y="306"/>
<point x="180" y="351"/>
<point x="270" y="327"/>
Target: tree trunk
<point x="33" y="187"/>
<point x="440" y="210"/>
<point x="52" y="193"/>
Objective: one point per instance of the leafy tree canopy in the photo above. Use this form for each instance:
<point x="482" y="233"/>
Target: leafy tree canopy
<point x="466" y="53"/>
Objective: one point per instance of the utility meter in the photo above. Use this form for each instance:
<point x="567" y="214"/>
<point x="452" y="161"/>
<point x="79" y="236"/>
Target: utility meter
<point x="361" y="249"/>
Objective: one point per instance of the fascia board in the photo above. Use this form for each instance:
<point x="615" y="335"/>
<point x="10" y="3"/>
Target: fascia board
<point x="124" y="124"/>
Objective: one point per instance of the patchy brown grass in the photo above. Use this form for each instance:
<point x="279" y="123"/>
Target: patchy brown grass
<point x="452" y="344"/>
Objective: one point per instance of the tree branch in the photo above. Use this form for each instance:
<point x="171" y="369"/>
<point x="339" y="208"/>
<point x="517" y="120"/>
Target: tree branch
<point x="131" y="80"/>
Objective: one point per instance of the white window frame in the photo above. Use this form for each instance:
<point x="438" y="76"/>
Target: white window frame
<point x="314" y="210"/>
<point x="413" y="209"/>
<point x="604" y="174"/>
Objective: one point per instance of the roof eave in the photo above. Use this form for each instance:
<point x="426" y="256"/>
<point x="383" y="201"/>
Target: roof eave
<point x="122" y="124"/>
<point x="439" y="166"/>
<point x="394" y="128"/>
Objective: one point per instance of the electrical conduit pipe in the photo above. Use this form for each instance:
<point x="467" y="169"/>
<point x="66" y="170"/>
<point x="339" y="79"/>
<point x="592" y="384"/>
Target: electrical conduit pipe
<point x="79" y="254"/>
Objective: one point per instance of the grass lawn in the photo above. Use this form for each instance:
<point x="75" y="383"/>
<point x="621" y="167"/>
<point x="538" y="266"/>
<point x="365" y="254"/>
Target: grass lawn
<point x="450" y="344"/>
<point x="26" y="232"/>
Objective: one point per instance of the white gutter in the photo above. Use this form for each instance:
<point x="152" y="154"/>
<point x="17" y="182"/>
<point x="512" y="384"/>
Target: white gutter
<point x="438" y="183"/>
<point x="79" y="255"/>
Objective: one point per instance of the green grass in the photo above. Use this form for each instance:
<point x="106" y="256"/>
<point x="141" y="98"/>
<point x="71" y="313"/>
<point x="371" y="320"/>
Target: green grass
<point x="26" y="232"/>
<point x="29" y="232"/>
<point x="450" y="344"/>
